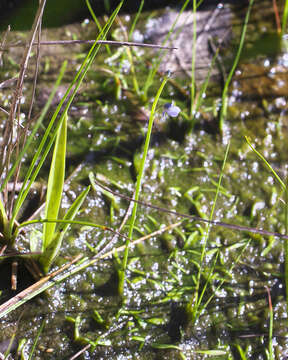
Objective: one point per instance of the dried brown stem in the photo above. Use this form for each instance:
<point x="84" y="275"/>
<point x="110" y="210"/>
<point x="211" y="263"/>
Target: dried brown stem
<point x="197" y="218"/>
<point x="14" y="275"/>
<point x="7" y="148"/>
<point x="103" y="42"/>
<point x="3" y="43"/>
<point x="277" y="17"/>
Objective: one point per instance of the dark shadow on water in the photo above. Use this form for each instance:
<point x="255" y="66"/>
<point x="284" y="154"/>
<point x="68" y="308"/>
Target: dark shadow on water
<point x="24" y="279"/>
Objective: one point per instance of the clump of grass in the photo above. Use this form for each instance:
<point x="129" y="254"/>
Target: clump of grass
<point x="55" y="133"/>
<point x="47" y="248"/>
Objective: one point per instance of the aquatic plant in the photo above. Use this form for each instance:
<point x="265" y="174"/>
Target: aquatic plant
<point x="52" y="238"/>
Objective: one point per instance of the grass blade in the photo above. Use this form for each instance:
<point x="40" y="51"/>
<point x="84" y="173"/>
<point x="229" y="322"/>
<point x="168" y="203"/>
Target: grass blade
<point x="51" y="252"/>
<point x="195" y="303"/>
<point x="156" y="64"/>
<point x="55" y="184"/>
<point x="277" y="177"/>
<point x="284" y="18"/>
<point x="271" y="355"/>
<point x="3" y="218"/>
<point x="193" y="57"/>
<point x="223" y="111"/>
<point x="138" y="184"/>
<point x="36" y="339"/>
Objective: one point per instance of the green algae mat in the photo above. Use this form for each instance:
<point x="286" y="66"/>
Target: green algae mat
<point x="196" y="268"/>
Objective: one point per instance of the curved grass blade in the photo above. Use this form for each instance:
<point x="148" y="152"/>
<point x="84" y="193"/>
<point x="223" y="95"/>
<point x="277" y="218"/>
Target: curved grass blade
<point x="138" y="185"/>
<point x="196" y="300"/>
<point x="262" y="158"/>
<point x="285" y="190"/>
<point x="223" y="111"/>
<point x="156" y="64"/>
<point x="51" y="252"/>
<point x="284" y="18"/>
<point x="55" y="184"/>
<point x="37" y="339"/>
<point x="3" y="218"/>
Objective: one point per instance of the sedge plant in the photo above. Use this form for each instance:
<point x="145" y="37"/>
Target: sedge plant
<point x="54" y="227"/>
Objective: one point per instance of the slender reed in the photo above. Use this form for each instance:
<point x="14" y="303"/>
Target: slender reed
<point x="195" y="302"/>
<point x="132" y="28"/>
<point x="193" y="62"/>
<point x="139" y="183"/>
<point x="285" y="189"/>
<point x="223" y="111"/>
<point x="271" y="354"/>
<point x="284" y="18"/>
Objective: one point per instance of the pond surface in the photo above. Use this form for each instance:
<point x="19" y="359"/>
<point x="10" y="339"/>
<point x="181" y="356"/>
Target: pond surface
<point x="107" y="126"/>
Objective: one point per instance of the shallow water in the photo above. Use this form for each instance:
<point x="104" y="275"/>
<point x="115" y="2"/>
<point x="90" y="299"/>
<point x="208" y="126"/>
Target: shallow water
<point x="106" y="136"/>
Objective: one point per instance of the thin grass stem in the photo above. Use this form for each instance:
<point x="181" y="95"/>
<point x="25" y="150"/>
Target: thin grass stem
<point x="193" y="61"/>
<point x="285" y="189"/>
<point x="286" y="244"/>
<point x="271" y="355"/>
<point x="200" y="219"/>
<point x="277" y="177"/>
<point x="284" y="18"/>
<point x="7" y="145"/>
<point x="132" y="28"/>
<point x="194" y="304"/>
<point x="224" y="105"/>
<point x="101" y="42"/>
<point x="36" y="339"/>
<point x="97" y="23"/>
<point x="139" y="183"/>
<point x="156" y="64"/>
<point x="202" y="91"/>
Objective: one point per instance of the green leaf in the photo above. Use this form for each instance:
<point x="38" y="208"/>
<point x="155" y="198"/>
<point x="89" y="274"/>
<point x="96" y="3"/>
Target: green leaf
<point x="55" y="184"/>
<point x="3" y="218"/>
<point x="35" y="239"/>
<point x="165" y="346"/>
<point x="33" y="169"/>
<point x="211" y="352"/>
<point x="52" y="250"/>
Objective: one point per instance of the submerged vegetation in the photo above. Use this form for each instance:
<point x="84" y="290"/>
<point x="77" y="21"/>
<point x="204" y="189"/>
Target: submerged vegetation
<point x="168" y="239"/>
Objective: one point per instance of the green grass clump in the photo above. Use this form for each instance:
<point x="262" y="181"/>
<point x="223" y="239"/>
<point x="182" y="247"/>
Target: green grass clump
<point x="56" y="132"/>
